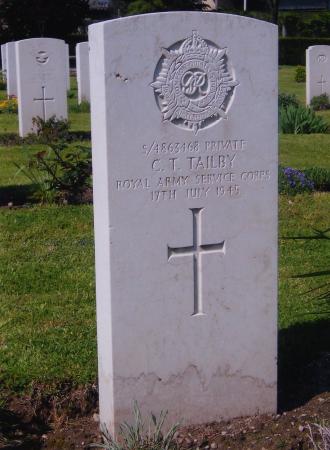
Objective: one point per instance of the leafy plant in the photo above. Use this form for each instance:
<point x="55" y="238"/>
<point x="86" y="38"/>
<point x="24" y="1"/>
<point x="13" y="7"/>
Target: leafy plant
<point x="61" y="173"/>
<point x="292" y="181"/>
<point x="285" y="100"/>
<point x="320" y="102"/>
<point x="51" y="130"/>
<point x="137" y="437"/>
<point x="301" y="120"/>
<point x="42" y="188"/>
<point x="300" y="74"/>
<point x="320" y="177"/>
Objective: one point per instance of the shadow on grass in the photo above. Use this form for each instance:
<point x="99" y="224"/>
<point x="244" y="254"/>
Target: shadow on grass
<point x="17" y="194"/>
<point x="18" y="433"/>
<point x="304" y="349"/>
<point x="304" y="363"/>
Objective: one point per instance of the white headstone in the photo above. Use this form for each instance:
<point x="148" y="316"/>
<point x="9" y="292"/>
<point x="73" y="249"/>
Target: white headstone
<point x="317" y="71"/>
<point x="184" y="131"/>
<point x="3" y="60"/>
<point x="82" y="63"/>
<point x="41" y="80"/>
<point x="67" y="66"/>
<point x="11" y="69"/>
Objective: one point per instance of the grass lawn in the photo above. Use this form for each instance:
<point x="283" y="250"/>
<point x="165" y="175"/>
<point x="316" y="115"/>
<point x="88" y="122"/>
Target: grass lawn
<point x="47" y="292"/>
<point x="47" y="307"/>
<point x="303" y="151"/>
<point x="288" y="85"/>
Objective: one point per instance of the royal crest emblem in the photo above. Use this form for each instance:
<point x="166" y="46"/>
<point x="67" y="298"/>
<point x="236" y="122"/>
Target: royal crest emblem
<point x="193" y="85"/>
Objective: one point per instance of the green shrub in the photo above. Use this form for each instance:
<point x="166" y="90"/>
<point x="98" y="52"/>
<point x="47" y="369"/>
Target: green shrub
<point x="300" y="74"/>
<point x="320" y="102"/>
<point x="308" y="24"/>
<point x="140" y="437"/>
<point x="292" y="181"/>
<point x="320" y="177"/>
<point x="51" y="130"/>
<point x="61" y="173"/>
<point x="84" y="107"/>
<point x="285" y="100"/>
<point x="301" y="120"/>
<point x="3" y="85"/>
<point x="292" y="50"/>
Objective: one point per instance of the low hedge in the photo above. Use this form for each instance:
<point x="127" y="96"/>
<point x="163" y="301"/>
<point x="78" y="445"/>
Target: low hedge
<point x="14" y="139"/>
<point x="292" y="51"/>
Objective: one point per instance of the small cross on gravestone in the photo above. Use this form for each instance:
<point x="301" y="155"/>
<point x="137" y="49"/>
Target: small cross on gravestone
<point x="322" y="83"/>
<point x="44" y="99"/>
<point x="197" y="250"/>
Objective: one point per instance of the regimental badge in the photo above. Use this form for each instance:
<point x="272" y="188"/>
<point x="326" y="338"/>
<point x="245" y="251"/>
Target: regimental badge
<point x="42" y="57"/>
<point x="193" y="85"/>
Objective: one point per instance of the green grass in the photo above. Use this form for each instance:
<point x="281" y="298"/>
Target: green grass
<point x="8" y="123"/>
<point x="9" y="174"/>
<point x="303" y="151"/>
<point x="299" y="217"/>
<point x="287" y="83"/>
<point x="47" y="307"/>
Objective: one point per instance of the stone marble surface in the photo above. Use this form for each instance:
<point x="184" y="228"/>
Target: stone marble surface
<point x="67" y="67"/>
<point x="184" y="136"/>
<point x="41" y="81"/>
<point x="11" y="69"/>
<point x="3" y="60"/>
<point x="82" y="63"/>
<point x="317" y="71"/>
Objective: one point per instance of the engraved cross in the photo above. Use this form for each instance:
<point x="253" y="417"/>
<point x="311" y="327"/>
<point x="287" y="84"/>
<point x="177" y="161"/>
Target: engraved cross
<point x="322" y="82"/>
<point x="43" y="100"/>
<point x="197" y="250"/>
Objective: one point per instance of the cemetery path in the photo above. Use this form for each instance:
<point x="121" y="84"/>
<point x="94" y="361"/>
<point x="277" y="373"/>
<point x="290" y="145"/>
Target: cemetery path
<point x="60" y="429"/>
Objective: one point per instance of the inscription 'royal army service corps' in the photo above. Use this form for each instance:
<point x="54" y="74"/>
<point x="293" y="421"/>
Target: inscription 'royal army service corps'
<point x="192" y="84"/>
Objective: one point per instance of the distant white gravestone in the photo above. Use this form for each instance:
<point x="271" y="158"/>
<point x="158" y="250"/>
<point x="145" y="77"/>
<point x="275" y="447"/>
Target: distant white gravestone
<point x="83" y="80"/>
<point x="41" y="81"/>
<point x="317" y="71"/>
<point x="67" y="63"/>
<point x="184" y="131"/>
<point x="11" y="69"/>
<point x="3" y="60"/>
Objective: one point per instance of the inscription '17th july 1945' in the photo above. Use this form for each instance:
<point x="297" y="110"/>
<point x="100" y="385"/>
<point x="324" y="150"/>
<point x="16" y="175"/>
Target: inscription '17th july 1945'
<point x="193" y="170"/>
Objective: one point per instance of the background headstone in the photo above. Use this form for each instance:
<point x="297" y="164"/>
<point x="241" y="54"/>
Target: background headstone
<point x="184" y="131"/>
<point x="82" y="63"/>
<point x="3" y="60"/>
<point x="67" y="63"/>
<point x="11" y="69"/>
<point x="317" y="71"/>
<point x="41" y="80"/>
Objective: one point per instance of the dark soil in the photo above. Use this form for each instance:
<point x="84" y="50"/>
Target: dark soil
<point x="23" y="429"/>
<point x="68" y="419"/>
